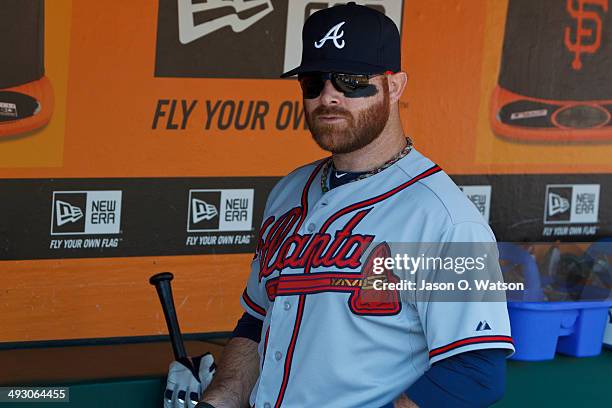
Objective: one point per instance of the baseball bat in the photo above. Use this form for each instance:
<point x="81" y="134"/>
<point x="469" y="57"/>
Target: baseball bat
<point x="161" y="281"/>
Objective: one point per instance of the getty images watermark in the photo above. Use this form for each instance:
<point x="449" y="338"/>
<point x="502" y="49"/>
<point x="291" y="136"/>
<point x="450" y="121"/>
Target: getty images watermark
<point x="488" y="271"/>
<point x="459" y="265"/>
<point x="451" y="272"/>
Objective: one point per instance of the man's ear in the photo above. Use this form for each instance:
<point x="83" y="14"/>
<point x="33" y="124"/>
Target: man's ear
<point x="397" y="83"/>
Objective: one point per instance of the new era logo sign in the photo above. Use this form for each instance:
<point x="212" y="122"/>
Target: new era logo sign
<point x="480" y="196"/>
<point x="571" y="203"/>
<point x="197" y="19"/>
<point x="201" y="210"/>
<point x="557" y="204"/>
<point x="68" y="212"/>
<point x="220" y="210"/>
<point x="220" y="38"/>
<point x="86" y="212"/>
<point x="65" y="212"/>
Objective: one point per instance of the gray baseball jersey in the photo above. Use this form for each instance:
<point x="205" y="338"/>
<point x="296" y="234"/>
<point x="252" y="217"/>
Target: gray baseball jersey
<point x="322" y="343"/>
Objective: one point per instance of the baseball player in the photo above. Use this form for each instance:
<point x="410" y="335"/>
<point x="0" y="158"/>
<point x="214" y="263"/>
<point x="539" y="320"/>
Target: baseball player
<point x="310" y="335"/>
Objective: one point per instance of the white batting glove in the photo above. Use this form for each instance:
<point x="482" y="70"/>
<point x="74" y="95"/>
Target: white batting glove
<point x="186" y="384"/>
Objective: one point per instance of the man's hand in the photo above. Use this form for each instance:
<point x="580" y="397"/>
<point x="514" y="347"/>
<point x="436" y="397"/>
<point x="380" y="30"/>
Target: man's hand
<point x="404" y="402"/>
<point x="184" y="386"/>
<point x="236" y="375"/>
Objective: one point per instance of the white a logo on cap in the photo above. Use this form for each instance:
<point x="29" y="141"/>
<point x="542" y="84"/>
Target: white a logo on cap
<point x="334" y="34"/>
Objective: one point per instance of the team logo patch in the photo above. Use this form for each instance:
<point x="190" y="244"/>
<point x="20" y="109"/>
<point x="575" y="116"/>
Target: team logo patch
<point x="368" y="301"/>
<point x="586" y="40"/>
<point x="335" y="35"/>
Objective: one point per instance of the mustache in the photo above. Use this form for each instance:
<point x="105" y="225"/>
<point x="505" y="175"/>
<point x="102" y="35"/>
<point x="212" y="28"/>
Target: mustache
<point x="330" y="111"/>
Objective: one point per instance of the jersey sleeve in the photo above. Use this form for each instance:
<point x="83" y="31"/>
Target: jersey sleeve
<point x="458" y="321"/>
<point x="254" y="299"/>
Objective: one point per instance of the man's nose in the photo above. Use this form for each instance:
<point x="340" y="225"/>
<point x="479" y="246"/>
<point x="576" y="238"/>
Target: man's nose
<point x="329" y="94"/>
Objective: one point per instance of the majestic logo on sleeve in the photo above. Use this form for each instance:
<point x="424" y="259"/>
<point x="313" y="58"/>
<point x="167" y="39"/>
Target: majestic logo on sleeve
<point x="588" y="29"/>
<point x="283" y="247"/>
<point x="334" y="35"/>
<point x="483" y="325"/>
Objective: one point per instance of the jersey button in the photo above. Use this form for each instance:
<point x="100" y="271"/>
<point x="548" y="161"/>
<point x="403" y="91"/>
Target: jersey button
<point x="311" y="227"/>
<point x="287" y="305"/>
<point x="267" y="405"/>
<point x="278" y="355"/>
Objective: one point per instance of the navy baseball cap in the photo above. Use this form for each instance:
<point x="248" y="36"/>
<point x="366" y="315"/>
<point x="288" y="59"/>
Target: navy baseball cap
<point x="349" y="38"/>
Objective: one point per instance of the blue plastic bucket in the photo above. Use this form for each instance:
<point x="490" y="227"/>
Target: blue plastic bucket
<point x="539" y="329"/>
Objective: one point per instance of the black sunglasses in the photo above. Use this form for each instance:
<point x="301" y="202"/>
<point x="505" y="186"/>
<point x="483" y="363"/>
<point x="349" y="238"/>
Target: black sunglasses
<point x="351" y="85"/>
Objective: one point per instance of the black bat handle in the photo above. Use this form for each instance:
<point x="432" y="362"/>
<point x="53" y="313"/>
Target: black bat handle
<point x="161" y="281"/>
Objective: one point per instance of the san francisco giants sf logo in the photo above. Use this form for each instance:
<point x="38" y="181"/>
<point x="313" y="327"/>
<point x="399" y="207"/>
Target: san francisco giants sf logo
<point x="582" y="33"/>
